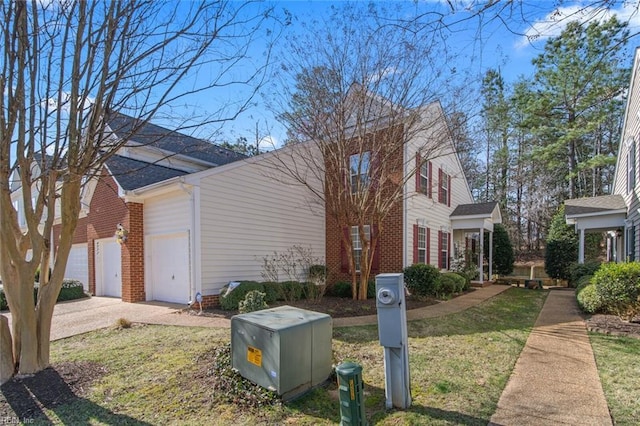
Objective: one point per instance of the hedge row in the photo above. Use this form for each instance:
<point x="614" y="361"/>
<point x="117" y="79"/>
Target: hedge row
<point x="289" y="291"/>
<point x="71" y="290"/>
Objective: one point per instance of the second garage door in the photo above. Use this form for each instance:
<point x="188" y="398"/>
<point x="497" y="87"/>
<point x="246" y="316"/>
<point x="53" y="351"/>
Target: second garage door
<point x="169" y="267"/>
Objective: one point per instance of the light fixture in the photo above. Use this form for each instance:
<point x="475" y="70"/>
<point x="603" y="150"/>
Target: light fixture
<point x="121" y="234"/>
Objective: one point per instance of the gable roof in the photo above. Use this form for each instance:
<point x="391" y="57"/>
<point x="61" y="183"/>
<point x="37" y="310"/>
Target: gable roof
<point x="133" y="174"/>
<point x="148" y="134"/>
<point x="594" y="205"/>
<point x="477" y="209"/>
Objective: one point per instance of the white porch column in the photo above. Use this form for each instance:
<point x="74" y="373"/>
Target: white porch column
<point x="481" y="259"/>
<point x="490" y="255"/>
<point x="581" y="247"/>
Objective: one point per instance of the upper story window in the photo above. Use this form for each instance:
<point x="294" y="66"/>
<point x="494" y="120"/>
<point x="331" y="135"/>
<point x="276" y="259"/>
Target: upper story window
<point x="424" y="177"/>
<point x="445" y="188"/>
<point x="359" y="167"/>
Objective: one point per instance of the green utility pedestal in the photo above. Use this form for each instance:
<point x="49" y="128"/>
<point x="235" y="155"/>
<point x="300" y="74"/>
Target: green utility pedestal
<point x="351" y="393"/>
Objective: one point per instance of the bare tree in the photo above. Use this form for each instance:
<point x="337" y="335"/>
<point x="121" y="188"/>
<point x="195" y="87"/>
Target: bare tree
<point x="65" y="66"/>
<point x="364" y="90"/>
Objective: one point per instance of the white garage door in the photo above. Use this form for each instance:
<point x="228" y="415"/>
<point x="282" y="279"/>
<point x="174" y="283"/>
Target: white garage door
<point x="169" y="267"/>
<point x="78" y="265"/>
<point x="108" y="268"/>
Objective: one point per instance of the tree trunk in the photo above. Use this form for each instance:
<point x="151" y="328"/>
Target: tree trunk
<point x="7" y="363"/>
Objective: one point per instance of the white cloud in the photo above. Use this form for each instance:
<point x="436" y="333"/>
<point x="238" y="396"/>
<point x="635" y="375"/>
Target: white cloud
<point x="268" y="143"/>
<point x="554" y="22"/>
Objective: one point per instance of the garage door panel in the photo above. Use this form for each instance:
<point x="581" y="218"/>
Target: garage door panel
<point x="169" y="267"/>
<point x="108" y="268"/>
<point x="78" y="265"/>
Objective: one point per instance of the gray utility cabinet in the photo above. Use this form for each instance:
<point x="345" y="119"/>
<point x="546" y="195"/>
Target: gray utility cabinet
<point x="284" y="349"/>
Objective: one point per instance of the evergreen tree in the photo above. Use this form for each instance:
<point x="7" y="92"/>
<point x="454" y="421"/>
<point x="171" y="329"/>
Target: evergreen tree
<point x="503" y="256"/>
<point x="561" y="248"/>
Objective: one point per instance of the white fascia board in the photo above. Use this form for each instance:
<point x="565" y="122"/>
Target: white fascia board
<point x="603" y="213"/>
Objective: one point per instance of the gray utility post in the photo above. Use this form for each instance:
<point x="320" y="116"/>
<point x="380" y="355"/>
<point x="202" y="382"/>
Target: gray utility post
<point x="392" y="329"/>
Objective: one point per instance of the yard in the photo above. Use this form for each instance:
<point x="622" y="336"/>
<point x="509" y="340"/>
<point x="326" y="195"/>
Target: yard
<point x="169" y="375"/>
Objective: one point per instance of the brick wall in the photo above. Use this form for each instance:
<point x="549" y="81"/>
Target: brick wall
<point x="391" y="229"/>
<point x="106" y="211"/>
<point x="132" y="251"/>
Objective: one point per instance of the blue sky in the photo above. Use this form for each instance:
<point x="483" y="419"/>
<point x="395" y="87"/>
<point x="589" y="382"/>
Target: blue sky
<point x="509" y="42"/>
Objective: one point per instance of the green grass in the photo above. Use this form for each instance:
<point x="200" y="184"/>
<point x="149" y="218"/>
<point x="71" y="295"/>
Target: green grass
<point x="618" y="360"/>
<point x="459" y="366"/>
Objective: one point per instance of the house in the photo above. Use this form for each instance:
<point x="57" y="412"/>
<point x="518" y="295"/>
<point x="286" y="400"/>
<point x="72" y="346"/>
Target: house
<point x="434" y="222"/>
<point x="616" y="215"/>
<point x="170" y="216"/>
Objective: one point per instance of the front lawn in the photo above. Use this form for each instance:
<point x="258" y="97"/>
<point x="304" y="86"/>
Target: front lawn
<point x="163" y="375"/>
<point x="618" y="360"/>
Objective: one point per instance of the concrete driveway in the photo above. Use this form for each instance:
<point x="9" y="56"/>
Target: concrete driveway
<point x="93" y="313"/>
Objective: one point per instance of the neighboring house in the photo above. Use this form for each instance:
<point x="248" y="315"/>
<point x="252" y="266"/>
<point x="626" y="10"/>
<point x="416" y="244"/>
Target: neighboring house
<point x="171" y="216"/>
<point x="436" y="220"/>
<point x="617" y="214"/>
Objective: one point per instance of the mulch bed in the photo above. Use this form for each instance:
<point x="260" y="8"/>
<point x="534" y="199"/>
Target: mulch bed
<point x="337" y="307"/>
<point x="611" y="324"/>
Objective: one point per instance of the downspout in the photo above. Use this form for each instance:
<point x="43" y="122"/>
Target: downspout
<point x="405" y="207"/>
<point x="192" y="236"/>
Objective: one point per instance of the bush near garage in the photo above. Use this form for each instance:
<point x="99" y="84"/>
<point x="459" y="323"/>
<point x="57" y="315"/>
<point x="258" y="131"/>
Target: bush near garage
<point x="230" y="298"/>
<point x="71" y="290"/>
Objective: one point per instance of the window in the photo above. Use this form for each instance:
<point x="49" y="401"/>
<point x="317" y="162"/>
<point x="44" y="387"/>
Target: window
<point x="445" y="188"/>
<point x="359" y="165"/>
<point x="443" y="260"/>
<point x="631" y="243"/>
<point x="422" y="245"/>
<point x="357" y="244"/>
<point x="424" y="178"/>
<point x="631" y="167"/>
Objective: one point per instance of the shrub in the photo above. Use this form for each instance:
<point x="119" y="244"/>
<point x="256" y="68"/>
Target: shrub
<point x="291" y="290"/>
<point x="340" y="289"/>
<point x="588" y="299"/>
<point x="422" y="280"/>
<point x="451" y="283"/>
<point x="584" y="281"/>
<point x="230" y="298"/>
<point x="467" y="279"/>
<point x="371" y="289"/>
<point x="579" y="270"/>
<point x="317" y="272"/>
<point x="618" y="286"/>
<point x="272" y="291"/>
<point x="253" y="301"/>
<point x="71" y="290"/>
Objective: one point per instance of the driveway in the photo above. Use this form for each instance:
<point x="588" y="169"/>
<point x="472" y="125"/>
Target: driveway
<point x="93" y="313"/>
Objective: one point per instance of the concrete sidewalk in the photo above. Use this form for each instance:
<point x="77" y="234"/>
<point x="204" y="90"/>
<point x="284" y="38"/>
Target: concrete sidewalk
<point x="555" y="380"/>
